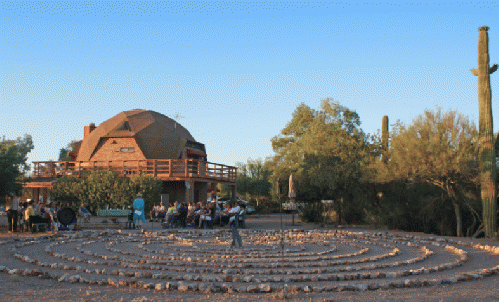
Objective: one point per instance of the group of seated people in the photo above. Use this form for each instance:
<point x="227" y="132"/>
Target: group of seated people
<point x="159" y="211"/>
<point x="229" y="213"/>
<point x="176" y="212"/>
<point x="31" y="214"/>
<point x="42" y="213"/>
<point x="224" y="214"/>
<point x="196" y="213"/>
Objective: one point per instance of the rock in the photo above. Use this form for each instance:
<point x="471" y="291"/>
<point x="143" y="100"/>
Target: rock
<point x="450" y="280"/>
<point x="44" y="276"/>
<point x="183" y="288"/>
<point x="227" y="288"/>
<point x="63" y="278"/>
<point x="252" y="289"/>
<point x="112" y="282"/>
<point x="362" y="287"/>
<point x="74" y="279"/>
<point x="264" y="288"/>
<point x="206" y="287"/>
<point x="122" y="283"/>
<point x="159" y="286"/>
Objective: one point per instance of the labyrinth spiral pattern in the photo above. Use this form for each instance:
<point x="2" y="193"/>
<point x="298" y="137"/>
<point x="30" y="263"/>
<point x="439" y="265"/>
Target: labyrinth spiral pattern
<point x="296" y="260"/>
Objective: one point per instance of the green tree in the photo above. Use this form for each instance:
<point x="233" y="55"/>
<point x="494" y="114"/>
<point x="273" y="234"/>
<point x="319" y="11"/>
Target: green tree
<point x="13" y="157"/>
<point x="326" y="151"/>
<point x="123" y="192"/>
<point x="437" y="148"/>
<point x="101" y="188"/>
<point x="150" y="188"/>
<point x="67" y="153"/>
<point x="66" y="189"/>
<point x="253" y="179"/>
<point x="96" y="190"/>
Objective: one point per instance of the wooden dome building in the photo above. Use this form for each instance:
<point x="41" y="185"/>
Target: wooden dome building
<point x="140" y="141"/>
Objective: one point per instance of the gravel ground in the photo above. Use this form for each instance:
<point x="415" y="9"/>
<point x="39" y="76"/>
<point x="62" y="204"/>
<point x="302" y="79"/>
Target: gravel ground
<point x="18" y="288"/>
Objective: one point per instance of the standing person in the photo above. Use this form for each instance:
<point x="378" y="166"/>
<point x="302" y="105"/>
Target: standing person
<point x="138" y="206"/>
<point x="233" y="212"/>
<point x="12" y="208"/>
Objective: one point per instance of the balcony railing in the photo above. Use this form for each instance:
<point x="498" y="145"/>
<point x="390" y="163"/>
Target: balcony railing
<point x="160" y="168"/>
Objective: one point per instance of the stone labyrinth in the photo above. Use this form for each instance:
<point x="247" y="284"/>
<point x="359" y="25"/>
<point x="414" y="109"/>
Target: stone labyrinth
<point x="194" y="260"/>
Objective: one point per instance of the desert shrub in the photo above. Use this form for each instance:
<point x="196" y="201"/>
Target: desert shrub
<point x="312" y="212"/>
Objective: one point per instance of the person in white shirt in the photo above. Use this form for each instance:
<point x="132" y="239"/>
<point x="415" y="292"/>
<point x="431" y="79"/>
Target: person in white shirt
<point x="233" y="212"/>
<point x="154" y="212"/>
<point x="161" y="211"/>
<point x="235" y="209"/>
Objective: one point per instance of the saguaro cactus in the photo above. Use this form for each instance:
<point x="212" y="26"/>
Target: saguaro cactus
<point x="384" y="138"/>
<point x="487" y="159"/>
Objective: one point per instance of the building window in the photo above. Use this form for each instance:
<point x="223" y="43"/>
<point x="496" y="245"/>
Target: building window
<point x="127" y="150"/>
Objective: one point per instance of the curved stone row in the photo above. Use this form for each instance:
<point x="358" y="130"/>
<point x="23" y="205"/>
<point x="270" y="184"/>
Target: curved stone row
<point x="289" y="261"/>
<point x="300" y="269"/>
<point x="331" y="277"/>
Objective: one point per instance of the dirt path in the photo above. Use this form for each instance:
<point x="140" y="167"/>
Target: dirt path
<point x="20" y="288"/>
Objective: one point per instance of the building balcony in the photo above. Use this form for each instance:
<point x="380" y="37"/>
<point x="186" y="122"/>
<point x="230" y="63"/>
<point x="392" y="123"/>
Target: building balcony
<point x="164" y="169"/>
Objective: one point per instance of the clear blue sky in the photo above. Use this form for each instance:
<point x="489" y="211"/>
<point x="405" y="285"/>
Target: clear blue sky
<point x="235" y="71"/>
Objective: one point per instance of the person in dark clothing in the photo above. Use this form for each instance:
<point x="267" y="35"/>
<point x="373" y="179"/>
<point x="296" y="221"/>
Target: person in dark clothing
<point x="12" y="211"/>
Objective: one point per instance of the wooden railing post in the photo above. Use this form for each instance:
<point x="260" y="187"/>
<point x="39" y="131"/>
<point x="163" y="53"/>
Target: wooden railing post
<point x="154" y="168"/>
<point x="185" y="167"/>
<point x="169" y="168"/>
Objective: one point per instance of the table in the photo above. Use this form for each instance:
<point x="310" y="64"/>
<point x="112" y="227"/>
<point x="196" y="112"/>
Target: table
<point x="113" y="213"/>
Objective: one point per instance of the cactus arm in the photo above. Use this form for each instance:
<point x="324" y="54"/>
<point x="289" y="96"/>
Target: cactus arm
<point x="492" y="68"/>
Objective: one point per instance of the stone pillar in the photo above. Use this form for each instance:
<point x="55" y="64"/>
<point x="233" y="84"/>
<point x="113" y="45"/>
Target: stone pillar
<point x="45" y="195"/>
<point x="189" y="193"/>
<point x="234" y="195"/>
<point x="213" y="189"/>
<point x="36" y="195"/>
<point x="203" y="191"/>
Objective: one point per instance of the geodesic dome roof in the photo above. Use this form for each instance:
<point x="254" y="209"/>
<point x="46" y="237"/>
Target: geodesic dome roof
<point x="155" y="134"/>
